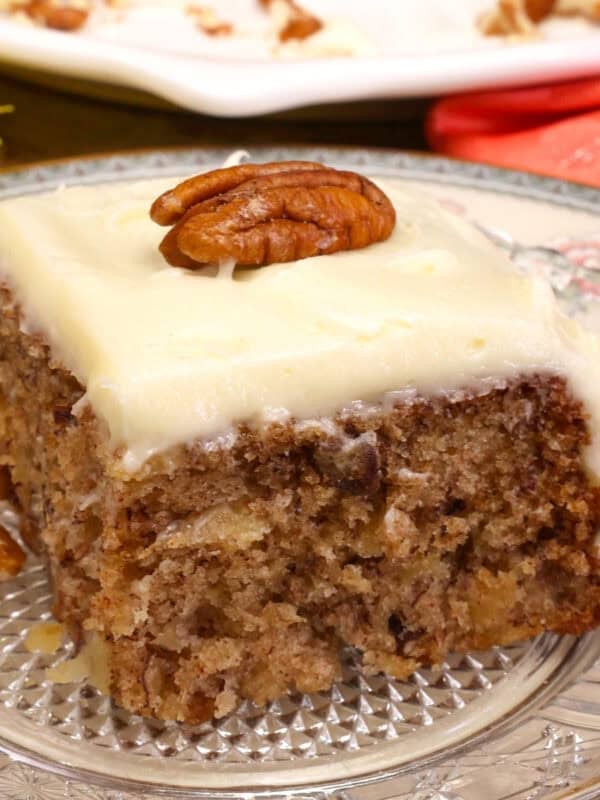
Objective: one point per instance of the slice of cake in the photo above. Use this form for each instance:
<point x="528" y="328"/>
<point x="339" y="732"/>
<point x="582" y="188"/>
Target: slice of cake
<point x="370" y="432"/>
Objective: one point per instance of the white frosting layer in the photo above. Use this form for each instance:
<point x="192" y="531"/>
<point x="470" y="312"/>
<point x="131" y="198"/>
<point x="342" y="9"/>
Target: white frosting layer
<point x="167" y="355"/>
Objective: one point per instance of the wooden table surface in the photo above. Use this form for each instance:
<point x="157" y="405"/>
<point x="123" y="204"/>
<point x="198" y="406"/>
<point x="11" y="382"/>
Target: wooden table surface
<point x="52" y="123"/>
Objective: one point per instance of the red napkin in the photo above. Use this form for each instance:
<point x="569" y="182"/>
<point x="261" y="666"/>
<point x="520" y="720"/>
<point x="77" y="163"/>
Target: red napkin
<point x="554" y="130"/>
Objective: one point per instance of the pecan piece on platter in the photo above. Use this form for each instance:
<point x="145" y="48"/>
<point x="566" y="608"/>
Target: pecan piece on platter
<point x="292" y="21"/>
<point x="58" y="16"/>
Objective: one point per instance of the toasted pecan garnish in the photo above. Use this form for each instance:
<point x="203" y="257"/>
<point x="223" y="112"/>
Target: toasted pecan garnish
<point x="293" y="21"/>
<point x="258" y="214"/>
<point x="55" y="15"/>
<point x="12" y="556"/>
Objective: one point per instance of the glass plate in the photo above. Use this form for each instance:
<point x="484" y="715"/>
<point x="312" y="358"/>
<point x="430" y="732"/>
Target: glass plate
<point x="514" y="722"/>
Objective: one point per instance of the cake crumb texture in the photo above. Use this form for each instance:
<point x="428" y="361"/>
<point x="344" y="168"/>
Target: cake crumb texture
<point x="240" y="569"/>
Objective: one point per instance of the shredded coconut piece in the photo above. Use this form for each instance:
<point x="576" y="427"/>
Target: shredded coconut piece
<point x="236" y="158"/>
<point x="226" y="268"/>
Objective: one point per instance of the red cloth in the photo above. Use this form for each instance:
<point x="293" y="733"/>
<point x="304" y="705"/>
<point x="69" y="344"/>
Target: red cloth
<point x="554" y="130"/>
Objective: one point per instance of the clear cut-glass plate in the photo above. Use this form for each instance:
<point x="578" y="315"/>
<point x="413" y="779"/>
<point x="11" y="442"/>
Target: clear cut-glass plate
<point x="515" y="722"/>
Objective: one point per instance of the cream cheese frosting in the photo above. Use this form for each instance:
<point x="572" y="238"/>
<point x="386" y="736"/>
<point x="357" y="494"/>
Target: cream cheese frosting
<point x="167" y="356"/>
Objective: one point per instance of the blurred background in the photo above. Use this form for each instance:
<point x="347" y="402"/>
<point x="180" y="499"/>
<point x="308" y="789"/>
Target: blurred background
<point x="52" y="123"/>
<point x="510" y="82"/>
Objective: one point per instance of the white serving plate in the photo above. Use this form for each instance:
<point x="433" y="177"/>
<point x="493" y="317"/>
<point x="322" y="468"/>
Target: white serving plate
<point x="411" y="48"/>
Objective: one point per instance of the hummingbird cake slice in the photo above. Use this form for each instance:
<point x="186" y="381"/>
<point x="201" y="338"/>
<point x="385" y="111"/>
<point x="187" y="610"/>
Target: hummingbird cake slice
<point x="313" y="411"/>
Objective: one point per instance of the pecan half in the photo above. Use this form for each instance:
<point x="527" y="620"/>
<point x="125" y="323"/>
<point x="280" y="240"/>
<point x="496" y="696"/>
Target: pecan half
<point x="58" y="16"/>
<point x="258" y="214"/>
<point x="292" y="21"/>
<point x="12" y="556"/>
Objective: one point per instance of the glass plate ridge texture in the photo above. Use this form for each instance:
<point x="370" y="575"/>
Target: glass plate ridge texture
<point x="514" y="722"/>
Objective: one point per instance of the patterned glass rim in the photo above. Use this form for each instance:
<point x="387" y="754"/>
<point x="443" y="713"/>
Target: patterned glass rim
<point x="577" y="655"/>
<point x="94" y="168"/>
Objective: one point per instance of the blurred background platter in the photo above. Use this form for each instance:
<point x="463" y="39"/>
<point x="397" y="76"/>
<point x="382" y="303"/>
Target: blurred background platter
<point x="151" y="51"/>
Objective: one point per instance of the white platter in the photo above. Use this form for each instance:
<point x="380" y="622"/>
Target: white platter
<point x="411" y="48"/>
